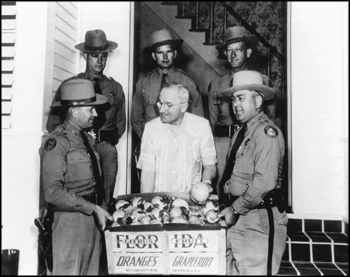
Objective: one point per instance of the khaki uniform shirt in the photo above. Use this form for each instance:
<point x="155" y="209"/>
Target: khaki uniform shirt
<point x="220" y="108"/>
<point x="144" y="106"/>
<point x="259" y="163"/>
<point x="66" y="170"/>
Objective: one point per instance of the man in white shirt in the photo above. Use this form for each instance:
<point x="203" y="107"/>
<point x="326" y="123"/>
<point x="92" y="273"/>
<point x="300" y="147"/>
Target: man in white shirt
<point x="177" y="148"/>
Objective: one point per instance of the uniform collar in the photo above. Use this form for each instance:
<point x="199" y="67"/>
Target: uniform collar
<point x="255" y="119"/>
<point x="70" y="128"/>
<point x="170" y="72"/>
<point x="91" y="78"/>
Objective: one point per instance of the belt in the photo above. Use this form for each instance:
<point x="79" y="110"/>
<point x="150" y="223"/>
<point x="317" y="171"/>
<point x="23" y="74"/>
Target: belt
<point x="225" y="130"/>
<point x="106" y="135"/>
<point x="274" y="198"/>
<point x="91" y="197"/>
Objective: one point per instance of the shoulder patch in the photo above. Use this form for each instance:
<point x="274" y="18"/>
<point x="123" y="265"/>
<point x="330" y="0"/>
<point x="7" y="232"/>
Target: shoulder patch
<point x="50" y="144"/>
<point x="271" y="131"/>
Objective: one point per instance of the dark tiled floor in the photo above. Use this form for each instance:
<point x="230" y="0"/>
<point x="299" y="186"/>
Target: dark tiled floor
<point x="316" y="247"/>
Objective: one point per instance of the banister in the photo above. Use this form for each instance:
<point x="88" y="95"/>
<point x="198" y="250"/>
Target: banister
<point x="251" y="30"/>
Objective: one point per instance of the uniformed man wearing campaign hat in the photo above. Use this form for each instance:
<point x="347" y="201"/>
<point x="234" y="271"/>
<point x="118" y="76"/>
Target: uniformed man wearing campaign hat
<point x="252" y="179"/>
<point x="110" y="124"/>
<point x="71" y="182"/>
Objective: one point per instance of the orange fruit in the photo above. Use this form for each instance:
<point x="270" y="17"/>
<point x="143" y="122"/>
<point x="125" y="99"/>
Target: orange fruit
<point x="200" y="192"/>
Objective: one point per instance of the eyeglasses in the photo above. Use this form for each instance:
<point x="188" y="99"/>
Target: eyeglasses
<point x="166" y="104"/>
<point x="103" y="55"/>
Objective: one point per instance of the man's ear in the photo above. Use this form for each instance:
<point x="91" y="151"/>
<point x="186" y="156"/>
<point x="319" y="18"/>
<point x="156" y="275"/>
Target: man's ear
<point x="85" y="56"/>
<point x="184" y="107"/>
<point x="258" y="100"/>
<point x="249" y="52"/>
<point x="175" y="53"/>
<point x="153" y="56"/>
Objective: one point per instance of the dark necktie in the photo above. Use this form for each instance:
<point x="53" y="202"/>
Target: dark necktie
<point x="95" y="168"/>
<point x="163" y="82"/>
<point x="101" y="116"/>
<point x="226" y="199"/>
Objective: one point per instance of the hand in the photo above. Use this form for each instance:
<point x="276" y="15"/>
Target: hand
<point x="230" y="218"/>
<point x="101" y="216"/>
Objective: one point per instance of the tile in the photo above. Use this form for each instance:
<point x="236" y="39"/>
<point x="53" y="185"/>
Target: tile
<point x="297" y="236"/>
<point x="294" y="224"/>
<point x="286" y="269"/>
<point x="300" y="252"/>
<point x="318" y="237"/>
<point x="306" y="269"/>
<point x="346" y="225"/>
<point x="313" y="225"/>
<point x="285" y="256"/>
<point x="329" y="269"/>
<point x="332" y="226"/>
<point x="338" y="237"/>
<point x="344" y="267"/>
<point x="341" y="253"/>
<point x="322" y="252"/>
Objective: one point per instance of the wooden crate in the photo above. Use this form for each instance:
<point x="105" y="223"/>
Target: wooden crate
<point x="179" y="249"/>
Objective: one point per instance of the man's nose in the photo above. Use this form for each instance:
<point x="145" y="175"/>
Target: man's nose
<point x="162" y="108"/>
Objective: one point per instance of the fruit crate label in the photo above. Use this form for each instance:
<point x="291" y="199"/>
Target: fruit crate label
<point x="195" y="263"/>
<point x="137" y="241"/>
<point x="194" y="241"/>
<point x="136" y="263"/>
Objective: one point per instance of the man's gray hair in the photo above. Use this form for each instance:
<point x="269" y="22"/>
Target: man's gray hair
<point x="183" y="91"/>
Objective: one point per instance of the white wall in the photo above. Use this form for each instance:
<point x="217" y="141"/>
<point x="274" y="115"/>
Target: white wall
<point x="319" y="109"/>
<point x="20" y="144"/>
<point x="114" y="19"/>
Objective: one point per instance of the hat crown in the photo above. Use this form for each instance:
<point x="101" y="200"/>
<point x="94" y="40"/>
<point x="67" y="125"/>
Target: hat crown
<point x="160" y="35"/>
<point x="247" y="77"/>
<point x="77" y="90"/>
<point x="96" y="42"/>
<point x="235" y="33"/>
<point x="95" y="38"/>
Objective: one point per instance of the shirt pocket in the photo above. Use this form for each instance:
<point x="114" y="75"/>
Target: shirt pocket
<point x="244" y="166"/>
<point x="78" y="166"/>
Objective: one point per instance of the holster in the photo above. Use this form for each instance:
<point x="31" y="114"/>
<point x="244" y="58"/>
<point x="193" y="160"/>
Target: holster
<point x="44" y="225"/>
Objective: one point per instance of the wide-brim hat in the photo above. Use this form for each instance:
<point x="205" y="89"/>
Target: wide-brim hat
<point x="160" y="38"/>
<point x="250" y="80"/>
<point x="96" y="42"/>
<point x="79" y="93"/>
<point x="236" y="34"/>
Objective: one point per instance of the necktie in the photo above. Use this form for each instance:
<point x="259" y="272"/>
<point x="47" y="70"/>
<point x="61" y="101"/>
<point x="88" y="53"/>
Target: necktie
<point x="95" y="168"/>
<point x="230" y="165"/>
<point x="101" y="116"/>
<point x="163" y="82"/>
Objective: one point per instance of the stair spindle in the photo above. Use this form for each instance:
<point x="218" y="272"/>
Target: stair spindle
<point x="197" y="15"/>
<point x="211" y="22"/>
<point x="268" y="62"/>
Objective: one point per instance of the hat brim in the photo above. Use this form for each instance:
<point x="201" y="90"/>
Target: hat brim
<point x="251" y="41"/>
<point x="111" y="46"/>
<point x="175" y="42"/>
<point x="268" y="92"/>
<point x="100" y="100"/>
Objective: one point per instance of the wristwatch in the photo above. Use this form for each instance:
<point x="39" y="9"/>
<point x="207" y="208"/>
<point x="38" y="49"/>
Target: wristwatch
<point x="208" y="182"/>
<point x="234" y="211"/>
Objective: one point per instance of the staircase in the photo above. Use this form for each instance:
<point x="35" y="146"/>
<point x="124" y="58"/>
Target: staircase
<point x="202" y="25"/>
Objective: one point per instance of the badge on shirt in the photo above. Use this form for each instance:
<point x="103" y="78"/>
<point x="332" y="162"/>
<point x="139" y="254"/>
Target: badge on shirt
<point x="271" y="131"/>
<point x="50" y="144"/>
